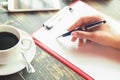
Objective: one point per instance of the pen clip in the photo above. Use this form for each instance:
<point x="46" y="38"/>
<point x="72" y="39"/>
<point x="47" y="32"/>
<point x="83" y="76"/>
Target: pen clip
<point x="92" y="25"/>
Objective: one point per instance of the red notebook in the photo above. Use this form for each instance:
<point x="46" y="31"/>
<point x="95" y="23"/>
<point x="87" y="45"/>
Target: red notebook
<point x="90" y="61"/>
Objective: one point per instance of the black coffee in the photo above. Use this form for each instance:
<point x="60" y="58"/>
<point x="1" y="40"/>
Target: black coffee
<point x="7" y="40"/>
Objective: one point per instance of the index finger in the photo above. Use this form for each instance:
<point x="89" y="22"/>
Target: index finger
<point x="83" y="21"/>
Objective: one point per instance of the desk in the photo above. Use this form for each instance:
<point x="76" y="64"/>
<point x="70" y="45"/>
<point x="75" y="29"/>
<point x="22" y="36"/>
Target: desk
<point x="47" y="67"/>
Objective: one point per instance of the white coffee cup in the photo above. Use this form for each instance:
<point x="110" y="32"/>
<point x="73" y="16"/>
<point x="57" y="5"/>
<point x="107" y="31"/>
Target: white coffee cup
<point x="11" y="43"/>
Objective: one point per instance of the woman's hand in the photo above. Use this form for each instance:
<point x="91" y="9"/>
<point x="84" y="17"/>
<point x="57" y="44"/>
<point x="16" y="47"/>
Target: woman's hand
<point x="102" y="35"/>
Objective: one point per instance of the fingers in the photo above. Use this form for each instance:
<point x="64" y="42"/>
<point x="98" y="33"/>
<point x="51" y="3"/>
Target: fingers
<point x="80" y="42"/>
<point x="74" y="39"/>
<point x="83" y="41"/>
<point x="82" y="35"/>
<point x="83" y="21"/>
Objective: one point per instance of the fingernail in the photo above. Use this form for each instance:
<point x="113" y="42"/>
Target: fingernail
<point x="74" y="34"/>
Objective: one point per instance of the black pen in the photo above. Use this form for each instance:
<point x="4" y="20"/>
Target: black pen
<point x="89" y="26"/>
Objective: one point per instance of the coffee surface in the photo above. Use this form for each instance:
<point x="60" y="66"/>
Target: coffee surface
<point x="7" y="40"/>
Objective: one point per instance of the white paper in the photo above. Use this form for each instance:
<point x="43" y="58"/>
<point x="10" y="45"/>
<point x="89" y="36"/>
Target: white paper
<point x="100" y="62"/>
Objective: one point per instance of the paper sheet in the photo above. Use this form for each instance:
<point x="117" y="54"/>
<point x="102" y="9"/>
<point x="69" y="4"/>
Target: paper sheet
<point x="100" y="62"/>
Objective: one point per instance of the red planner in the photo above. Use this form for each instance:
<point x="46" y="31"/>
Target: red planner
<point x="90" y="61"/>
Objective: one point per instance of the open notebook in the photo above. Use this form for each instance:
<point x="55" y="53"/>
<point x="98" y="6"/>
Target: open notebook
<point x="99" y="62"/>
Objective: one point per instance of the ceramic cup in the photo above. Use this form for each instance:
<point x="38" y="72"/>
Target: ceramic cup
<point x="12" y="43"/>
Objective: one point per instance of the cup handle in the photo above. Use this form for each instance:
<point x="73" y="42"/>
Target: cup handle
<point x="26" y="43"/>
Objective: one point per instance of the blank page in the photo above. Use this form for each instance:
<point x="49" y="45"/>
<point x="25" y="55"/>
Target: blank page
<point x="100" y="62"/>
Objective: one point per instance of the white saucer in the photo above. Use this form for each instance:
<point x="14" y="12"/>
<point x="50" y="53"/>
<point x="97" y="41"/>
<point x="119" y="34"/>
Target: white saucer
<point x="19" y="64"/>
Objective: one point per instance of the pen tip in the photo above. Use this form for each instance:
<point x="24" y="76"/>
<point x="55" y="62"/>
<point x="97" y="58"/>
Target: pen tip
<point x="59" y="36"/>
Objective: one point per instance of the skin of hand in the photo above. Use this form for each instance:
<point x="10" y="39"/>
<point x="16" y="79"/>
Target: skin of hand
<point x="102" y="34"/>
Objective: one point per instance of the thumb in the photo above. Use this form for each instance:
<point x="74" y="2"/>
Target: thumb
<point x="83" y="35"/>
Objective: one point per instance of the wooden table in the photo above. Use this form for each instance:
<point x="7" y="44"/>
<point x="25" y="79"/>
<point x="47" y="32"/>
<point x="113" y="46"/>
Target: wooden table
<point x="47" y="67"/>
